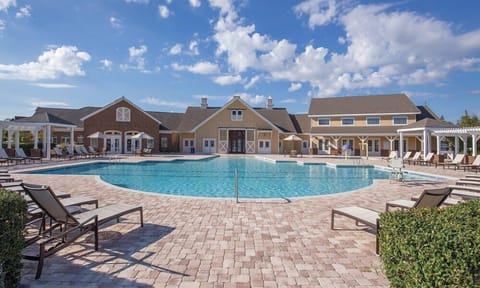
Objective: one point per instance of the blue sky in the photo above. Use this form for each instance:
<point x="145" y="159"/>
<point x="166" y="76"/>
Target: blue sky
<point x="164" y="55"/>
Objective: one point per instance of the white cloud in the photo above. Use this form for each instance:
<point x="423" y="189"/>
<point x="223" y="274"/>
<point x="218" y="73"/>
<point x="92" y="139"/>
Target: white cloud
<point x="106" y="64"/>
<point x="252" y="82"/>
<point x="474" y="92"/>
<point x="168" y="1"/>
<point x="160" y="102"/>
<point x="294" y="87"/>
<point x="288" y="101"/>
<point x="53" y="85"/>
<point x="203" y="68"/>
<point x="41" y="103"/>
<point x="24" y="12"/>
<point x="163" y="11"/>
<point x="115" y="22"/>
<point x="136" y="59"/>
<point x="195" y="3"/>
<point x="319" y="12"/>
<point x="176" y="49"/>
<point x="5" y="4"/>
<point x="66" y="60"/>
<point x="228" y="79"/>
<point x="253" y="99"/>
<point x="2" y="25"/>
<point x="193" y="47"/>
<point x="138" y="1"/>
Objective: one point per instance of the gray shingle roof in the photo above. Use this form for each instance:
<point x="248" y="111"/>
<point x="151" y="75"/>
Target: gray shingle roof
<point x="194" y="116"/>
<point x="278" y="117"/>
<point x="429" y="123"/>
<point x="301" y="122"/>
<point x="373" y="104"/>
<point x="44" y="117"/>
<point x="72" y="116"/>
<point x="170" y="121"/>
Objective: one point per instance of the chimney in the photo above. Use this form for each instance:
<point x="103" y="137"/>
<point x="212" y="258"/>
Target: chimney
<point x="269" y="103"/>
<point x="204" y="103"/>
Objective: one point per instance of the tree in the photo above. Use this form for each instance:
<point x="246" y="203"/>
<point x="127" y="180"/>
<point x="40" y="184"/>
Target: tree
<point x="469" y="121"/>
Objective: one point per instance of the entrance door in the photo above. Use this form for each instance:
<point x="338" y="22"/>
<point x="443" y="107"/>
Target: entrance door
<point x="236" y="141"/>
<point x="304" y="147"/>
<point x="374" y="147"/>
<point x="188" y="146"/>
<point x="113" y="144"/>
<point x="264" y="147"/>
<point x="131" y="144"/>
<point x="209" y="145"/>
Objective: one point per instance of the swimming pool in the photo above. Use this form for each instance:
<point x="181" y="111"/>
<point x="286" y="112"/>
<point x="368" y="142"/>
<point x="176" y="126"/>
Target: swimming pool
<point x="215" y="177"/>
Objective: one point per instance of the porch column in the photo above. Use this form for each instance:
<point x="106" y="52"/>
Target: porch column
<point x="44" y="141"/>
<point x="17" y="139"/>
<point x="9" y="139"/>
<point x="425" y="143"/>
<point x="456" y="145"/>
<point x="35" y="139"/>
<point x="72" y="131"/>
<point x="49" y="140"/>
<point x="401" y="144"/>
<point x="474" y="144"/>
<point x="439" y="139"/>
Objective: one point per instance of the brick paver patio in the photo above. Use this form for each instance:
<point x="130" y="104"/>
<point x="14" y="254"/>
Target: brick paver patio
<point x="199" y="242"/>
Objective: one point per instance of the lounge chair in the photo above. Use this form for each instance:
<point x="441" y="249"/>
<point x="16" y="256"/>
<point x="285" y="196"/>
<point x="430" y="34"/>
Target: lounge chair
<point x="92" y="150"/>
<point x="72" y="226"/>
<point x="397" y="172"/>
<point x="474" y="166"/>
<point x="71" y="152"/>
<point x="427" y="161"/>
<point x="86" y="152"/>
<point x="4" y="155"/>
<point x="429" y="198"/>
<point x="406" y="156"/>
<point x="59" y="153"/>
<point x="392" y="155"/>
<point x="21" y="154"/>
<point x="455" y="162"/>
<point x="415" y="158"/>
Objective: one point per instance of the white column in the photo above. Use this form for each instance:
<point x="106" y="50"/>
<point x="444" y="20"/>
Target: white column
<point x="72" y="134"/>
<point x="1" y="137"/>
<point x="439" y="139"/>
<point x="35" y="139"/>
<point x="9" y="139"/>
<point x="17" y="139"/>
<point x="456" y="145"/>
<point x="401" y="144"/>
<point x="425" y="143"/>
<point x="465" y="142"/>
<point x="474" y="144"/>
<point x="49" y="140"/>
<point x="44" y="141"/>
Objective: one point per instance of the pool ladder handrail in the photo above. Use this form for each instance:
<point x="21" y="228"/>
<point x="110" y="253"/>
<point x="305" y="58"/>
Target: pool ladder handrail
<point x="236" y="184"/>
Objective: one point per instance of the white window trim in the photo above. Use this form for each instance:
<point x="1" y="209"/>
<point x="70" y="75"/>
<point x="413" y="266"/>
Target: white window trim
<point x="344" y="118"/>
<point x="323" y="118"/>
<point x="379" y="121"/>
<point x="403" y="117"/>
<point x="236" y="117"/>
<point x="126" y="114"/>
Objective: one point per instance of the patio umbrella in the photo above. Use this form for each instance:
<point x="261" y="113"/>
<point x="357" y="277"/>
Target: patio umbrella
<point x="292" y="138"/>
<point x="97" y="134"/>
<point x="142" y="135"/>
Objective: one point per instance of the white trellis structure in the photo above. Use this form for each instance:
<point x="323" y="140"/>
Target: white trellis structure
<point x="459" y="134"/>
<point x="14" y="128"/>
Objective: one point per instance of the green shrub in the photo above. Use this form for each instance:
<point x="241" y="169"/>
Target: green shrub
<point x="432" y="247"/>
<point x="12" y="220"/>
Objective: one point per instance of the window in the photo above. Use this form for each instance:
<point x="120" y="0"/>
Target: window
<point x="65" y="140"/>
<point x="123" y="114"/>
<point x="164" y="142"/>
<point x="348" y="121"/>
<point x="150" y="143"/>
<point x="80" y="139"/>
<point x="237" y="115"/>
<point x="94" y="142"/>
<point x="54" y="140"/>
<point x="323" y="121"/>
<point x="400" y="120"/>
<point x="373" y="121"/>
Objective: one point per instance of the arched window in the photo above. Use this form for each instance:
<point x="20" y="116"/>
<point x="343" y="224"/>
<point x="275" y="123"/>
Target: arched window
<point x="123" y="114"/>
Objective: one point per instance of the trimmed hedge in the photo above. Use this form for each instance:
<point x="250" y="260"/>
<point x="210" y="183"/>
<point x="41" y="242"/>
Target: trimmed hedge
<point x="432" y="247"/>
<point x="13" y="215"/>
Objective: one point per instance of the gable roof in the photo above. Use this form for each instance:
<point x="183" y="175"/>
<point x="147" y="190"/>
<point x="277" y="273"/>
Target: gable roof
<point x="426" y="112"/>
<point x="194" y="116"/>
<point x="45" y="117"/>
<point x="301" y="123"/>
<point x="394" y="104"/>
<point x="429" y="123"/>
<point x="68" y="115"/>
<point x="116" y="102"/>
<point x="279" y="117"/>
<point x="218" y="110"/>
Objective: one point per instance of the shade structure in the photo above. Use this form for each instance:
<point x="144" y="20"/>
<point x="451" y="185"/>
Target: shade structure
<point x="142" y="135"/>
<point x="292" y="138"/>
<point x="97" y="134"/>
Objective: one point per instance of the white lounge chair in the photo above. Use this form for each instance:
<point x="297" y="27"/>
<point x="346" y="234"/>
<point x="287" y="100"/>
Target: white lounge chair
<point x="415" y="158"/>
<point x="21" y="154"/>
<point x="456" y="162"/>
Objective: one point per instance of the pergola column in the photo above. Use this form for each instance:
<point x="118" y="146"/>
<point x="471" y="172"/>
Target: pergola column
<point x="1" y="137"/>
<point x="464" y="140"/>
<point x="425" y="143"/>
<point x="35" y="139"/>
<point x="401" y="144"/>
<point x="456" y="145"/>
<point x="44" y="141"/>
<point x="9" y="138"/>
<point x="72" y="132"/>
<point x="439" y="139"/>
<point x="49" y="140"/>
<point x="474" y="144"/>
<point x="17" y="139"/>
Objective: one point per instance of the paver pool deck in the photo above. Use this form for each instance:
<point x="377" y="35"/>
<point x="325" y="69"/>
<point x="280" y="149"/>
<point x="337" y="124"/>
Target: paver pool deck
<point x="200" y="242"/>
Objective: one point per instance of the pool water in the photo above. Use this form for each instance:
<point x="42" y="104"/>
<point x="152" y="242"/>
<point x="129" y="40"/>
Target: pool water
<point x="215" y="177"/>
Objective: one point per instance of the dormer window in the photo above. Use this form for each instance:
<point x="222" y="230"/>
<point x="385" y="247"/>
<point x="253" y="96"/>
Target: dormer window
<point x="237" y="115"/>
<point x="123" y="114"/>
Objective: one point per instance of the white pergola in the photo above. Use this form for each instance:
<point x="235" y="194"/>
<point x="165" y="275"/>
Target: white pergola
<point x="425" y="133"/>
<point x="14" y="128"/>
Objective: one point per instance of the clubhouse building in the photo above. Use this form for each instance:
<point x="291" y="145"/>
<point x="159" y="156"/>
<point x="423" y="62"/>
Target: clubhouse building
<point x="368" y="125"/>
